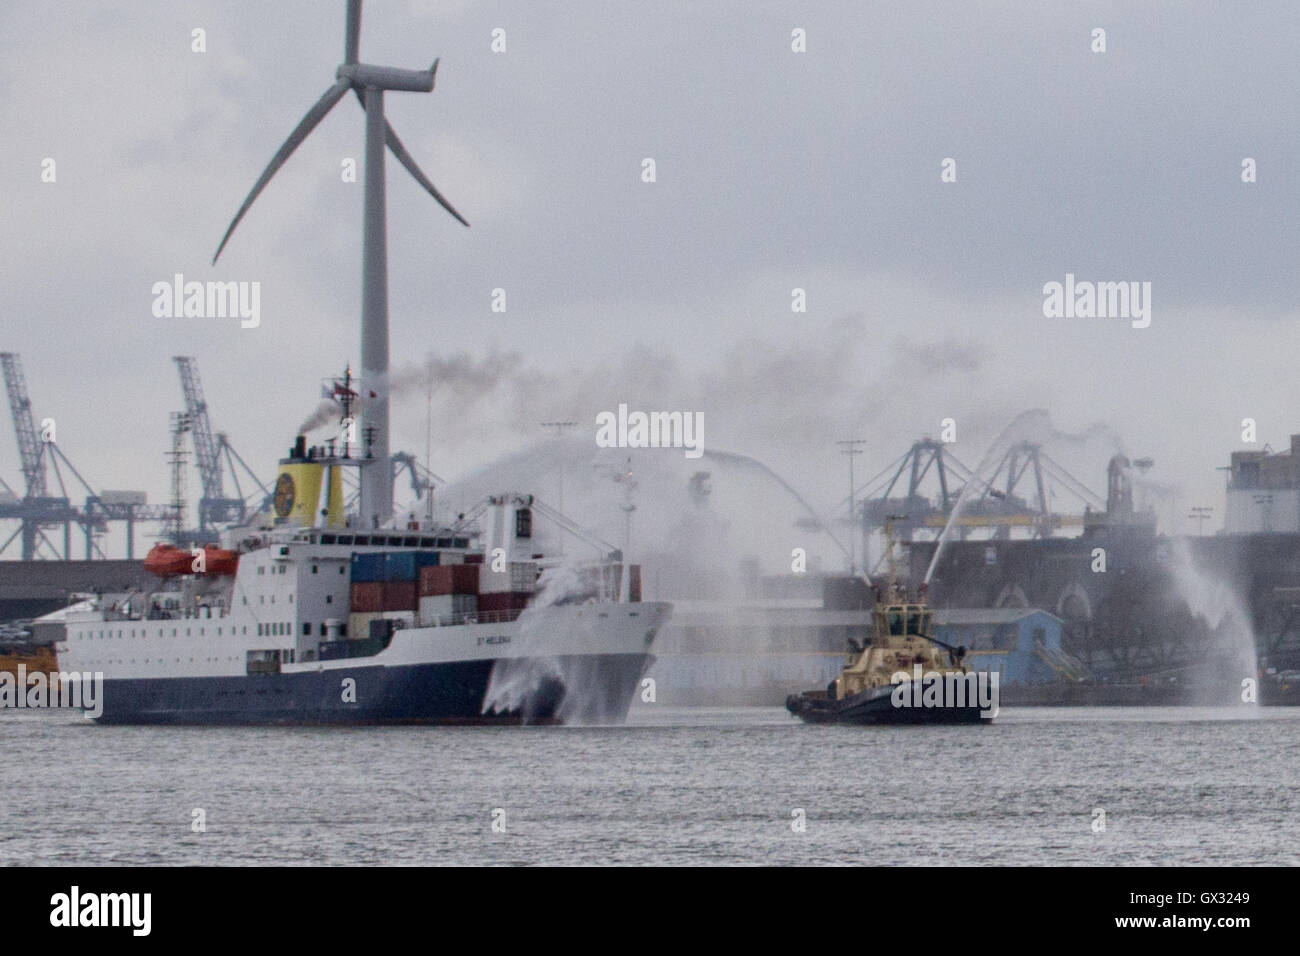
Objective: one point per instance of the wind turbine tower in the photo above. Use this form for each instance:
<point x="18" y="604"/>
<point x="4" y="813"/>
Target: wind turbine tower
<point x="369" y="83"/>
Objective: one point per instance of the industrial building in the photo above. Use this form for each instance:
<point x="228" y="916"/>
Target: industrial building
<point x="1264" y="491"/>
<point x="1022" y="645"/>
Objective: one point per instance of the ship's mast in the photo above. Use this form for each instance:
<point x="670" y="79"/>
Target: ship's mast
<point x="890" y="563"/>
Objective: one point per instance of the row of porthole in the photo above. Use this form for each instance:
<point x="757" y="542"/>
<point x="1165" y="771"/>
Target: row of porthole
<point x="161" y="661"/>
<point x="90" y="635"/>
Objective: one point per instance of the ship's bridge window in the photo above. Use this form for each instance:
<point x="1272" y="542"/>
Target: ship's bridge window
<point x="895" y="622"/>
<point x="411" y="542"/>
<point x="427" y="543"/>
<point x="362" y="540"/>
<point x="328" y="538"/>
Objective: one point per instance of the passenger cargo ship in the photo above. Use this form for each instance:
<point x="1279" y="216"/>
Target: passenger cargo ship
<point x="301" y="618"/>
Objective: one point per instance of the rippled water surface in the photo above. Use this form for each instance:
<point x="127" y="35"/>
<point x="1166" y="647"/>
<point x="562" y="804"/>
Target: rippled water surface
<point x="1177" y="785"/>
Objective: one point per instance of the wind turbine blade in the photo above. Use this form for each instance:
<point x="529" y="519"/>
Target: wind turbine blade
<point x="406" y="160"/>
<point x="352" y="35"/>
<point x="300" y="133"/>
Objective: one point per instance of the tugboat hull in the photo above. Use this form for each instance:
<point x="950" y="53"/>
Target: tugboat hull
<point x="876" y="706"/>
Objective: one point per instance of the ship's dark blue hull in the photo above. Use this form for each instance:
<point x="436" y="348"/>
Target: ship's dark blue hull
<point x="597" y="688"/>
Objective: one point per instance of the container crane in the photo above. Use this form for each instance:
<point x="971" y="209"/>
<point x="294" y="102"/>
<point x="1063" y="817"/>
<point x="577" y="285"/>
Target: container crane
<point x="210" y="454"/>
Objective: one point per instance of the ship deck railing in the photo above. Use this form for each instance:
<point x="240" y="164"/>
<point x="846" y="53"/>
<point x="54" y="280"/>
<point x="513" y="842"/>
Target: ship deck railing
<point x="474" y="617"/>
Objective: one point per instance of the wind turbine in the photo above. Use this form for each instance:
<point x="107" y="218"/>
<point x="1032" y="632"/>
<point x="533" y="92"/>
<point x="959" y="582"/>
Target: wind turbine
<point x="369" y="83"/>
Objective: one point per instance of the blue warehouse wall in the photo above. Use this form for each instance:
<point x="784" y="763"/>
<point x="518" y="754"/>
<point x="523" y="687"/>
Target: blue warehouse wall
<point x="1006" y="641"/>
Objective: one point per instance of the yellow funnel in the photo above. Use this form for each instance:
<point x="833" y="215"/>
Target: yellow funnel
<point x="297" y="496"/>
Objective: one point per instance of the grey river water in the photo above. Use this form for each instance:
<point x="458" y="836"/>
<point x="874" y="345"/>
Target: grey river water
<point x="673" y="786"/>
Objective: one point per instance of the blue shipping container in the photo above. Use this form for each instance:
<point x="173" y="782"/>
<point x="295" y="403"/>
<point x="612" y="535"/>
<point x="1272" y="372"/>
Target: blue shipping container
<point x="405" y="565"/>
<point x="367" y="567"/>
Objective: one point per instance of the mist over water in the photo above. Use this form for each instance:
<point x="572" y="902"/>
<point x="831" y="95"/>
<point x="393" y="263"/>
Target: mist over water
<point x="704" y="517"/>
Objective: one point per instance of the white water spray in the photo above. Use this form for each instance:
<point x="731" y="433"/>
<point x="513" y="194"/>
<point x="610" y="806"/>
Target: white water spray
<point x="1231" y="655"/>
<point x="519" y="681"/>
<point x="1021" y="426"/>
<point x="1034" y="426"/>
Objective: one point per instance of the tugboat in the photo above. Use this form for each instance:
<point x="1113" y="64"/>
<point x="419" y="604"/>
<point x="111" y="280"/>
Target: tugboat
<point x="901" y="674"/>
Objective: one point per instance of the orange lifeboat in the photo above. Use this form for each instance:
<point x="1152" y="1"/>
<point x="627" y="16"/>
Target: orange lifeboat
<point x="167" y="561"/>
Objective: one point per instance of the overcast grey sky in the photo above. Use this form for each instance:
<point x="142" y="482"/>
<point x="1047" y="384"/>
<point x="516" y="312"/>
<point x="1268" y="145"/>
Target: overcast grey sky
<point x="775" y="170"/>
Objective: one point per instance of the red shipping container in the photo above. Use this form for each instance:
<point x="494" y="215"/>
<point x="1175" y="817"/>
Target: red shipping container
<point x="449" y="579"/>
<point x="367" y="597"/>
<point x="400" y="596"/>
<point x="503" y="601"/>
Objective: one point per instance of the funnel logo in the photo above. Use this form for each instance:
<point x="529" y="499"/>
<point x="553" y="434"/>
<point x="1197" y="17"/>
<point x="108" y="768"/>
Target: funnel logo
<point x="651" y="430"/>
<point x="939" y="689"/>
<point x="284" y="495"/>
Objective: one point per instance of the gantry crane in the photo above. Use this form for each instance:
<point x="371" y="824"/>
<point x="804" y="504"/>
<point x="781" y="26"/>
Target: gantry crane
<point x="37" y="508"/>
<point x="210" y="452"/>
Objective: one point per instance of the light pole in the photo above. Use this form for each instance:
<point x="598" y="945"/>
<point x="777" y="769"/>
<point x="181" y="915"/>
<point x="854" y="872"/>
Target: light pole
<point x="559" y="435"/>
<point x="849" y="447"/>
